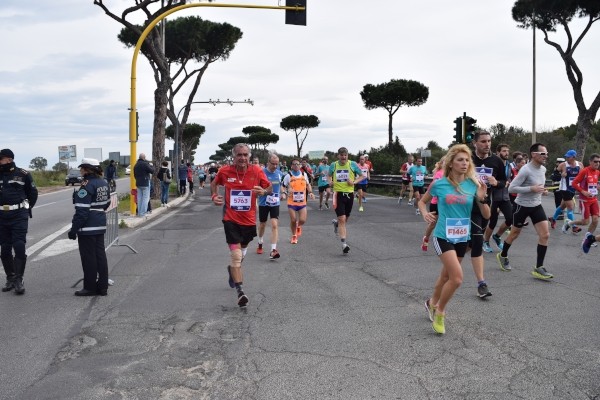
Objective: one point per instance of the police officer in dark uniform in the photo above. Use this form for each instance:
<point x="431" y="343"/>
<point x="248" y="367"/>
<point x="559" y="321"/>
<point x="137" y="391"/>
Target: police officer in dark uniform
<point x="88" y="227"/>
<point x="18" y="195"/>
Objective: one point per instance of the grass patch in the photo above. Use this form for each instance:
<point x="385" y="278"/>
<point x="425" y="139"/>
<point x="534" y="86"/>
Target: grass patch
<point x="48" y="178"/>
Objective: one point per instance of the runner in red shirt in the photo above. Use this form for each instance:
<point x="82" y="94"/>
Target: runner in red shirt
<point x="586" y="183"/>
<point x="243" y="182"/>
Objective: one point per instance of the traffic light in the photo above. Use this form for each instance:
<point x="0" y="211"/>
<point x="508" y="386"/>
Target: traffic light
<point x="469" y="129"/>
<point x="293" y="17"/>
<point x="458" y="136"/>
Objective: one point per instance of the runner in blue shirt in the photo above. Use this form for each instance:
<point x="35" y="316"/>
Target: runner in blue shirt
<point x="322" y="172"/>
<point x="268" y="206"/>
<point x="456" y="192"/>
<point x="417" y="174"/>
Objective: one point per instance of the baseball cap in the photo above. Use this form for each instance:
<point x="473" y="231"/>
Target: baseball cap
<point x="571" y="153"/>
<point x="89" y="162"/>
<point x="7" y="153"/>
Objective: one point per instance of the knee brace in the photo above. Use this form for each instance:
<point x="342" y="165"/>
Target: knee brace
<point x="236" y="257"/>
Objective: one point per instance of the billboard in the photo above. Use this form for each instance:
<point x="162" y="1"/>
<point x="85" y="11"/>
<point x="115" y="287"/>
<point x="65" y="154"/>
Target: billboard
<point x="67" y="153"/>
<point x="93" y="152"/>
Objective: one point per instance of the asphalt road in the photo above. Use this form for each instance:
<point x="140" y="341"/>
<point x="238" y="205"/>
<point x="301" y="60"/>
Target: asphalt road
<point x="319" y="325"/>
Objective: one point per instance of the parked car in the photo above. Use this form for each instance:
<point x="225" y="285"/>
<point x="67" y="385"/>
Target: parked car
<point x="73" y="177"/>
<point x="128" y="170"/>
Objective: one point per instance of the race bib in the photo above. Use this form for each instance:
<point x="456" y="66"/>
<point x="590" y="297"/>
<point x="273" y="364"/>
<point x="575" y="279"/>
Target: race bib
<point x="593" y="189"/>
<point x="240" y="200"/>
<point x="419" y="177"/>
<point x="272" y="199"/>
<point x="457" y="229"/>
<point x="342" y="175"/>
<point x="571" y="179"/>
<point x="484" y="173"/>
<point x="298" y="197"/>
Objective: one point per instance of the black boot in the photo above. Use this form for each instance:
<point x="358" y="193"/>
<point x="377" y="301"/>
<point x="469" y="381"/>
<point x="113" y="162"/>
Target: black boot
<point x="19" y="271"/>
<point x="9" y="269"/>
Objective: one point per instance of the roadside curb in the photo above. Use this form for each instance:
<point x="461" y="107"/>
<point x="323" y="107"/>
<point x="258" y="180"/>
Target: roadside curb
<point x="133" y="221"/>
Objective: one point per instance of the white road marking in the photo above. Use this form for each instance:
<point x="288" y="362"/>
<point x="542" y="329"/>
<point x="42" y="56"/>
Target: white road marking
<point x="39" y="245"/>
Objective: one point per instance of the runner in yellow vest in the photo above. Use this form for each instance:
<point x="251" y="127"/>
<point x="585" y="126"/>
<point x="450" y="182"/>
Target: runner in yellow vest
<point x="343" y="174"/>
<point x="297" y="186"/>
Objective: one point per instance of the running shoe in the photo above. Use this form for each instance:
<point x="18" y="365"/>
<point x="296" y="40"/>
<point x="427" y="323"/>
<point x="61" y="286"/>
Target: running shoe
<point x="417" y="212"/>
<point x="430" y="309"/>
<point x="438" y="323"/>
<point x="503" y="261"/>
<point x="552" y="222"/>
<point x="327" y="205"/>
<point x="259" y="249"/>
<point x="410" y="203"/>
<point x="242" y="299"/>
<point x="566" y="226"/>
<point x="483" y="291"/>
<point x="425" y="243"/>
<point x="294" y="239"/>
<point x="487" y="248"/>
<point x="575" y="230"/>
<point x="498" y="241"/>
<point x="299" y="231"/>
<point x="274" y="254"/>
<point x="364" y="199"/>
<point x="361" y="209"/>
<point x="588" y="240"/>
<point x="335" y="225"/>
<point x="230" y="281"/>
<point x="320" y="208"/>
<point x="346" y="249"/>
<point x="541" y="273"/>
<point x="400" y="200"/>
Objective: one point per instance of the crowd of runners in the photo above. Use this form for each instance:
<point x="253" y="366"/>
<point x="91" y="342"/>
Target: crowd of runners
<point x="461" y="206"/>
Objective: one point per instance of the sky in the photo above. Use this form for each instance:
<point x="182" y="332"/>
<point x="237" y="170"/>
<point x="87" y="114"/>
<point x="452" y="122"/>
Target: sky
<point x="65" y="78"/>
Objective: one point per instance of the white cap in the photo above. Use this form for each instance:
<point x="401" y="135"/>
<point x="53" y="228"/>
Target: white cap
<point x="560" y="159"/>
<point x="89" y="162"/>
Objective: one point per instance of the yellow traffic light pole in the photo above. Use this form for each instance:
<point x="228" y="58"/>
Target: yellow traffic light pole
<point x="138" y="46"/>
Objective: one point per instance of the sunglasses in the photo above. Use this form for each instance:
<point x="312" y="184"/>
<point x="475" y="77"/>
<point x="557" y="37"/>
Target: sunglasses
<point x="596" y="161"/>
<point x="541" y="153"/>
<point x="295" y="163"/>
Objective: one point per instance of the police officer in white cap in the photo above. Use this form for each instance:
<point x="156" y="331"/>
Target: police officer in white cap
<point x="88" y="227"/>
<point x="18" y="195"/>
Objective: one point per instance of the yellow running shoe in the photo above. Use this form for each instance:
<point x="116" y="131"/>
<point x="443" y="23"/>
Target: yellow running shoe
<point x="438" y="323"/>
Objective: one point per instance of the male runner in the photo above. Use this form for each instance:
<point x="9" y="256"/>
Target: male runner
<point x="568" y="171"/>
<point x="268" y="207"/>
<point x="586" y="183"/>
<point x="406" y="184"/>
<point x="362" y="186"/>
<point x="323" y="182"/>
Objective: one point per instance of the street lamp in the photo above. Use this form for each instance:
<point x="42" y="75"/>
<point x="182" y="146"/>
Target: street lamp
<point x="210" y="101"/>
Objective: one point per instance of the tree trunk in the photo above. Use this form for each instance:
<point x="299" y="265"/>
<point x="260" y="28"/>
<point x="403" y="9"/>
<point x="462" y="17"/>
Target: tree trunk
<point x="584" y="126"/>
<point x="390" y="131"/>
<point x="158" y="132"/>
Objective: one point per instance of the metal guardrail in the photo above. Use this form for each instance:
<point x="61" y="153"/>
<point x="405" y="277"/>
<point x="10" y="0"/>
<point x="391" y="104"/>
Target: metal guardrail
<point x="392" y="180"/>
<point x="111" y="237"/>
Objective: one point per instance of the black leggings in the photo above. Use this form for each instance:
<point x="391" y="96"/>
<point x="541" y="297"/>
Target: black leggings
<point x="506" y="209"/>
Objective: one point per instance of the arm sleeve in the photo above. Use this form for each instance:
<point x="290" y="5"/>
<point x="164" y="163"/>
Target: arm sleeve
<point x="30" y="190"/>
<point x="515" y="185"/>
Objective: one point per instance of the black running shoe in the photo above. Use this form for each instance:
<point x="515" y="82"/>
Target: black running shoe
<point x="242" y="299"/>
<point x="483" y="291"/>
<point x="346" y="249"/>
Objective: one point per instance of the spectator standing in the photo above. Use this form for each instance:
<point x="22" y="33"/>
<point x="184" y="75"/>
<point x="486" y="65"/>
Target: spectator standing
<point x="182" y="174"/>
<point x="164" y="176"/>
<point x="18" y="195"/>
<point x="142" y="171"/>
<point x="89" y="225"/>
<point x="190" y="177"/>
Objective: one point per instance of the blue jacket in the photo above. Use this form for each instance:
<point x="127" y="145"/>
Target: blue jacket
<point x="90" y="200"/>
<point x="16" y="186"/>
<point x="142" y="171"/>
<point x="182" y="172"/>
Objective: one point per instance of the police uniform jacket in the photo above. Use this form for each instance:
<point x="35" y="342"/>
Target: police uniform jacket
<point x="90" y="200"/>
<point x="17" y="190"/>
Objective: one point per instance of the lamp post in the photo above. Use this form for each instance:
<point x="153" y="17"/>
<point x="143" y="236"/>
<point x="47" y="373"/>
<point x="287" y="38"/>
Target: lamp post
<point x="176" y="150"/>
